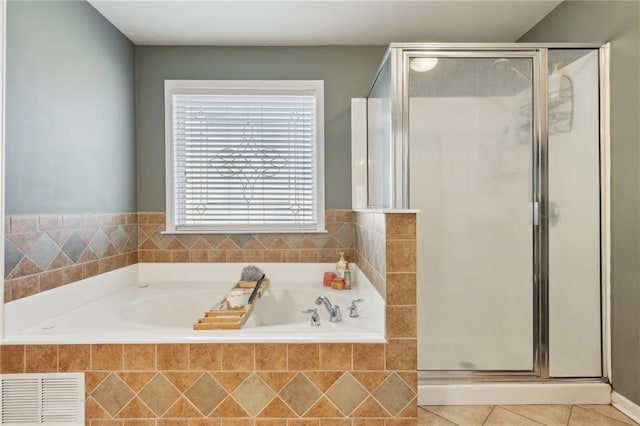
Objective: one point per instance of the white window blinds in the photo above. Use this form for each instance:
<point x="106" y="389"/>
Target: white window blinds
<point x="245" y="160"/>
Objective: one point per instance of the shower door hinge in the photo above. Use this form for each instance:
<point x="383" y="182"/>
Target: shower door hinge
<point x="534" y="213"/>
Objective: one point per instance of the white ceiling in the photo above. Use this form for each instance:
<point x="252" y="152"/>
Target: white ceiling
<point x="321" y="22"/>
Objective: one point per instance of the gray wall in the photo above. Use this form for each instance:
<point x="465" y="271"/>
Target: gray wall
<point x="619" y="23"/>
<point x="347" y="73"/>
<point x="70" y="119"/>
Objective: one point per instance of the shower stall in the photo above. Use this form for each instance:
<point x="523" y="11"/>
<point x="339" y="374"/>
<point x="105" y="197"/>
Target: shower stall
<point x="504" y="150"/>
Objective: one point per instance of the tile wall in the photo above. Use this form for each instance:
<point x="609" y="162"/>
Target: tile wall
<point x="257" y="384"/>
<point x="235" y="384"/>
<point x="44" y="252"/>
<point x="318" y="247"/>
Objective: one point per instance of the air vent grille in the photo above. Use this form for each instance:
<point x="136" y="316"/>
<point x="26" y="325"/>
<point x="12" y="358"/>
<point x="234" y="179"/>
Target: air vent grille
<point x="41" y="399"/>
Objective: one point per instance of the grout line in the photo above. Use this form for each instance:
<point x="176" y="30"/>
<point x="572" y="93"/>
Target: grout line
<point x="570" y="414"/>
<point x="439" y="416"/>
<point x="506" y="407"/>
<point x="493" y="407"/>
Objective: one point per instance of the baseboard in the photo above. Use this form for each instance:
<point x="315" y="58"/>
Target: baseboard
<point x="625" y="405"/>
<point x="515" y="393"/>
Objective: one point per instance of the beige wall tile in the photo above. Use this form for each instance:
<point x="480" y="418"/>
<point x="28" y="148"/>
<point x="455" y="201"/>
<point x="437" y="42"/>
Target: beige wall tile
<point x="236" y="422"/>
<point x="238" y="357"/>
<point x="162" y="256"/>
<point x="303" y="422"/>
<point x="401" y="226"/>
<point x="401" y="256"/>
<point x="204" y="422"/>
<point x="368" y="356"/>
<point x="139" y="357"/>
<point x="179" y="256"/>
<point x="401" y="355"/>
<point x="303" y="357"/>
<point x="23" y="287"/>
<point x="205" y="356"/>
<point x="198" y="256"/>
<point x="399" y="422"/>
<point x="401" y="321"/>
<point x="74" y="357"/>
<point x="173" y="422"/>
<point x="271" y="357"/>
<point x="41" y="358"/>
<point x="12" y="358"/>
<point x="335" y="356"/>
<point x="173" y="357"/>
<point x="335" y="422"/>
<point x="7" y="292"/>
<point x="401" y="289"/>
<point x="106" y="357"/>
<point x="271" y="422"/>
<point x="369" y="422"/>
<point x="24" y="223"/>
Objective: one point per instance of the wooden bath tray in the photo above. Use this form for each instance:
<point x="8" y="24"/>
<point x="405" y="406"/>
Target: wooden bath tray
<point x="222" y="318"/>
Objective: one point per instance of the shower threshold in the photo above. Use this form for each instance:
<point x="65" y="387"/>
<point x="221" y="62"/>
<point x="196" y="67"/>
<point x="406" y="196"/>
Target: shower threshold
<point x="582" y="391"/>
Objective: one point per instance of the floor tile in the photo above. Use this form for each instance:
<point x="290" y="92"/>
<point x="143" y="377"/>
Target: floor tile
<point x="549" y="415"/>
<point x="501" y="417"/>
<point x="426" y="418"/>
<point x="584" y="417"/>
<point x="467" y="415"/>
<point x="609" y="411"/>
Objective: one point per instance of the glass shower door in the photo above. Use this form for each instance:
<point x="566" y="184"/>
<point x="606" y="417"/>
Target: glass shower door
<point x="471" y="144"/>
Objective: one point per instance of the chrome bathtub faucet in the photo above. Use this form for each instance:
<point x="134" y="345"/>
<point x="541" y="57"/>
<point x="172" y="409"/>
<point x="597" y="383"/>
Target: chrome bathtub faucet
<point x="353" y="309"/>
<point x="334" y="310"/>
<point x="315" y="318"/>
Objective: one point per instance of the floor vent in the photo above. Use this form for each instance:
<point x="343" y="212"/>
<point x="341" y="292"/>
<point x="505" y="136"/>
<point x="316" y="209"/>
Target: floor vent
<point x="42" y="399"/>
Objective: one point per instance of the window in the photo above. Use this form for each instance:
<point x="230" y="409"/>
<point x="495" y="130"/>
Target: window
<point x="244" y="156"/>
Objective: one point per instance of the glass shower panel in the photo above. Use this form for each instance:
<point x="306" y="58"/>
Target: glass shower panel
<point x="379" y="139"/>
<point x="470" y="144"/>
<point x="574" y="214"/>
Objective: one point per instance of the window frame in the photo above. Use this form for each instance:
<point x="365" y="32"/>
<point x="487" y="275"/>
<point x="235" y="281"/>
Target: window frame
<point x="250" y="87"/>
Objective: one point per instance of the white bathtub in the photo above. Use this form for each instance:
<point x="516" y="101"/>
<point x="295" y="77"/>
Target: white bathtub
<point x="158" y="303"/>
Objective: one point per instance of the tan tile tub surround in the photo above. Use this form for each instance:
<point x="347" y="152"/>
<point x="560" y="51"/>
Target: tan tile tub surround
<point x="317" y="247"/>
<point x="256" y="384"/>
<point x="44" y="252"/>
<point x="225" y="384"/>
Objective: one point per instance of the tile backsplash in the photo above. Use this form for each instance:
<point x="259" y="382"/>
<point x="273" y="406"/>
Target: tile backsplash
<point x="290" y="248"/>
<point x="48" y="251"/>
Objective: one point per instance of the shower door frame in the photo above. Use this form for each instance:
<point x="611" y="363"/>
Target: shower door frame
<point x="400" y="54"/>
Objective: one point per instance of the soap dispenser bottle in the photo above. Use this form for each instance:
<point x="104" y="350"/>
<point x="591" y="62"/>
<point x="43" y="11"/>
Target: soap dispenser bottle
<point x="341" y="266"/>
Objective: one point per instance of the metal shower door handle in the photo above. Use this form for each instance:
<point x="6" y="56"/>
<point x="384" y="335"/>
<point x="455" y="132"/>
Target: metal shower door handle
<point x="534" y="213"/>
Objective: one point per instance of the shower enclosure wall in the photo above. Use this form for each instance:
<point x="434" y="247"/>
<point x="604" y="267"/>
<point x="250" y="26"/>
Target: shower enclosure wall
<point x="503" y="150"/>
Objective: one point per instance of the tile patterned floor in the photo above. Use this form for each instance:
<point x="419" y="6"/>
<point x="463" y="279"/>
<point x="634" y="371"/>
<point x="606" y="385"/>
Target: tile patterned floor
<point x="522" y="415"/>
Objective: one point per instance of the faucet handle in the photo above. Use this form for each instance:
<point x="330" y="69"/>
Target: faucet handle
<point x="353" y="309"/>
<point x="315" y="318"/>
